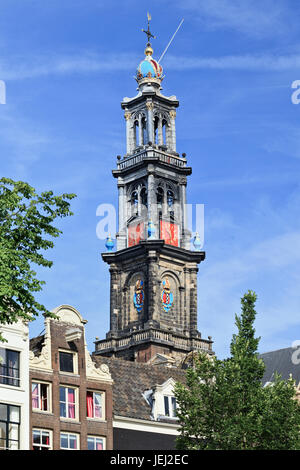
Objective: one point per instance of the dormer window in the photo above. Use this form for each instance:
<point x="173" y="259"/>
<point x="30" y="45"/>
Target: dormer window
<point x="162" y="401"/>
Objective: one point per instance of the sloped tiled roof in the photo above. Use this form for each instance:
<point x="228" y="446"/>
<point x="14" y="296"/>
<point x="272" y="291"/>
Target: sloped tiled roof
<point x="281" y="361"/>
<point x="131" y="380"/>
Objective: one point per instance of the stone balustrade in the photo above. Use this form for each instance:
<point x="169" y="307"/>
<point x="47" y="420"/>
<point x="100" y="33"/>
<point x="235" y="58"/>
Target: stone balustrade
<point x="145" y="154"/>
<point x="170" y="338"/>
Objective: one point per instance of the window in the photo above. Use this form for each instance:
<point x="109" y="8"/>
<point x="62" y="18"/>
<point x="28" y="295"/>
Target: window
<point x="66" y="362"/>
<point x="96" y="443"/>
<point x="68" y="441"/>
<point x="40" y="396"/>
<point x="170" y="198"/>
<point x="9" y="426"/>
<point x="68" y="408"/>
<point x="160" y="197"/>
<point x="9" y="367"/>
<point x="95" y="404"/>
<point x="134" y="203"/>
<point x="170" y="406"/>
<point x="144" y="198"/>
<point x="41" y="439"/>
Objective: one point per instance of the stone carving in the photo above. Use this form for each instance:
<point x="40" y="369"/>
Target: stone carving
<point x="149" y="105"/>
<point x="43" y="361"/>
<point x="138" y="298"/>
<point x="166" y="295"/>
<point x="92" y="372"/>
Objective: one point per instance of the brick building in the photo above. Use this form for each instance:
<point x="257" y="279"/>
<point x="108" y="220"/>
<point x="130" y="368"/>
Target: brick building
<point x="71" y="400"/>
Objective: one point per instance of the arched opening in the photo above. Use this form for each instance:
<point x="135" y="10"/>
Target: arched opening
<point x="134" y="203"/>
<point x="144" y="199"/>
<point x="135" y="126"/>
<point x="160" y="198"/>
<point x="170" y="198"/>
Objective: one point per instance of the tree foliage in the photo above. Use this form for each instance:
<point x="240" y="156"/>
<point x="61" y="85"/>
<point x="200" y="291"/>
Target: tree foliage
<point x="224" y="405"/>
<point x="26" y="229"/>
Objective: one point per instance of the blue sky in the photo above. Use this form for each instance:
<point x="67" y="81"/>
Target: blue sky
<point x="68" y="64"/>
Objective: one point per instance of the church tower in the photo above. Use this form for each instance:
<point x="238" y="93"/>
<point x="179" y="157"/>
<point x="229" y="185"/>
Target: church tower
<point x="153" y="285"/>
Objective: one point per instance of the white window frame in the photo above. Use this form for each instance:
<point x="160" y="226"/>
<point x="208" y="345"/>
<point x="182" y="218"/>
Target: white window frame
<point x="103" y="403"/>
<point x="49" y="402"/>
<point x="69" y="434"/>
<point x="67" y="403"/>
<point x="41" y="430"/>
<point x="172" y="413"/>
<point x="98" y="437"/>
<point x="11" y="425"/>
<point x="11" y="377"/>
<point x="75" y="362"/>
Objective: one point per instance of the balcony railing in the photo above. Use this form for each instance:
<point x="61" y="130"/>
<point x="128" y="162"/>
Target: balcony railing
<point x="144" y="155"/>
<point x="156" y="335"/>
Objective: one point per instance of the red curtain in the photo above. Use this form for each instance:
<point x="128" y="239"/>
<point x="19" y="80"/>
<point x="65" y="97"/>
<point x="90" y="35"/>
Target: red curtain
<point x="89" y="405"/>
<point x="71" y="403"/>
<point x="35" y="396"/>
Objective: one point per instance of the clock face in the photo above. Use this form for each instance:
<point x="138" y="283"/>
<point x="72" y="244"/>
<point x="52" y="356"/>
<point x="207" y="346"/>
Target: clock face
<point x="135" y="233"/>
<point x="169" y="232"/>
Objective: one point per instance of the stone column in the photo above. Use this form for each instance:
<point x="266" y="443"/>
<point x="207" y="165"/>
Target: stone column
<point x="114" y="299"/>
<point x="134" y="124"/>
<point x="160" y="131"/>
<point x="152" y="292"/>
<point x="150" y="127"/>
<point x="193" y="301"/>
<point x="152" y="206"/>
<point x="181" y="316"/>
<point x="168" y="142"/>
<point x="184" y="221"/>
<point x="141" y="140"/>
<point x="129" y="136"/>
<point x="121" y="239"/>
<point x="173" y="130"/>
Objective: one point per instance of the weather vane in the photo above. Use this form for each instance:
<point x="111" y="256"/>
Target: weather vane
<point x="148" y="32"/>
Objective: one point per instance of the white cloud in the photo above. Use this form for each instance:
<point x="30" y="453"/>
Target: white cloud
<point x="251" y="17"/>
<point x="87" y="62"/>
<point x="50" y="64"/>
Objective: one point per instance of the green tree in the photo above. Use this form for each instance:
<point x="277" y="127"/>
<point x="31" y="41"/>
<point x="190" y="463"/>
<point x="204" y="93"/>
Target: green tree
<point x="224" y="405"/>
<point x="26" y="223"/>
